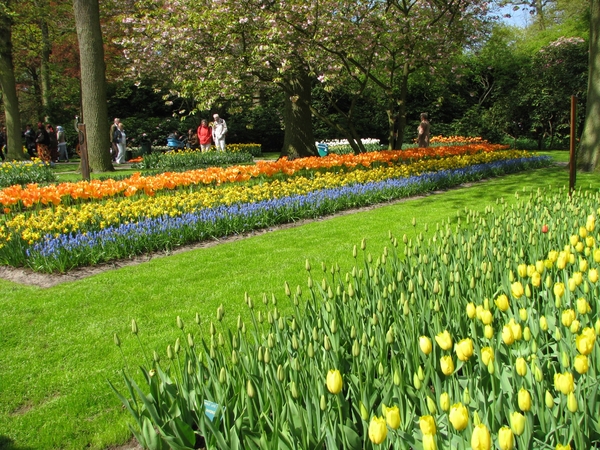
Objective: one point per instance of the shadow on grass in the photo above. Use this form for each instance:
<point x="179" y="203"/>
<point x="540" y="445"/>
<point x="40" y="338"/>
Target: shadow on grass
<point x="8" y="444"/>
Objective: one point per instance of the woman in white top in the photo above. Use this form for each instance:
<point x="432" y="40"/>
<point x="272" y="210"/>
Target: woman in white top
<point x="121" y="144"/>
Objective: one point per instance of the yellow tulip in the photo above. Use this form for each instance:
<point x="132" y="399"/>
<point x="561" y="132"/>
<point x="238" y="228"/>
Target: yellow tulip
<point x="536" y="279"/>
<point x="559" y="289"/>
<point x="571" y="284"/>
<point x="516" y="289"/>
<point x="425" y="345"/>
<point x="488" y="331"/>
<point x="459" y="416"/>
<point x="464" y="349"/>
<point x="582" y="232"/>
<point x="572" y="402"/>
<point x="427" y="425"/>
<point x="486" y="317"/>
<point x="574" y="239"/>
<point x="561" y="261"/>
<point x="578" y="248"/>
<point x="392" y="416"/>
<point x="564" y="383"/>
<point x="581" y="364"/>
<point x="585" y="341"/>
<point x="445" y="401"/>
<point x="524" y="400"/>
<point x="552" y="255"/>
<point x="583" y="307"/>
<point x="523" y="314"/>
<point x="574" y="326"/>
<point x="334" y="381"/>
<point x="521" y="366"/>
<point x="530" y="270"/>
<point x="562" y="447"/>
<point x="583" y="265"/>
<point x="447" y="365"/>
<point x="539" y="267"/>
<point x="593" y="275"/>
<point x="377" y="430"/>
<point x="470" y="310"/>
<point x="549" y="400"/>
<point x="522" y="270"/>
<point x="481" y="439"/>
<point x="429" y="442"/>
<point x="506" y="440"/>
<point x="517" y="423"/>
<point x="478" y="311"/>
<point x="502" y="302"/>
<point x="507" y="335"/>
<point x="516" y="329"/>
<point x="487" y="355"/>
<point x="567" y="317"/>
<point x="444" y="340"/>
<point x="543" y="323"/>
<point x="590" y="241"/>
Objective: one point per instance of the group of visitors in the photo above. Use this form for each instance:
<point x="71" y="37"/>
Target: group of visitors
<point x="203" y="137"/>
<point x="47" y="143"/>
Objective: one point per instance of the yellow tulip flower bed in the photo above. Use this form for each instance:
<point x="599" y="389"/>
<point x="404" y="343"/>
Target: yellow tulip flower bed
<point x="484" y="336"/>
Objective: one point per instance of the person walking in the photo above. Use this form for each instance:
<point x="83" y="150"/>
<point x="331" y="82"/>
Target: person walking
<point x="62" y="144"/>
<point x="219" y="130"/>
<point x="423" y="132"/>
<point x="42" y="141"/>
<point x="121" y="145"/>
<point x="204" y="135"/>
<point x="30" y="140"/>
<point x="114" y="149"/>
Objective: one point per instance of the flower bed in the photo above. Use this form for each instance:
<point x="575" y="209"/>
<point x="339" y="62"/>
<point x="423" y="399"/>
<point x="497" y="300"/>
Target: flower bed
<point x="63" y="237"/>
<point x="25" y="172"/>
<point x="16" y="198"/>
<point x="483" y="336"/>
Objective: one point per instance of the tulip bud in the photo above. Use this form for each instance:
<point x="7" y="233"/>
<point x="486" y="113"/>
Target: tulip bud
<point x="445" y="401"/>
<point x="572" y="402"/>
<point x="155" y="356"/>
<point x="179" y="323"/>
<point x="364" y="414"/>
<point x="134" y="327"/>
<point x="466" y="396"/>
<point x="524" y="400"/>
<point x="116" y="340"/>
<point x="416" y="382"/>
<point x="294" y="390"/>
<point x="222" y="376"/>
<point x="488" y="331"/>
<point x="170" y="352"/>
<point x="397" y="378"/>
<point x="521" y="366"/>
<point x="177" y="346"/>
<point x="549" y="400"/>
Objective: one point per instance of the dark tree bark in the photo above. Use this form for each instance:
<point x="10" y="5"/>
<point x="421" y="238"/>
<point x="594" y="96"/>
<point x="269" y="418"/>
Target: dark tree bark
<point x="9" y="89"/>
<point x="93" y="83"/>
<point x="589" y="150"/>
<point x="298" y="140"/>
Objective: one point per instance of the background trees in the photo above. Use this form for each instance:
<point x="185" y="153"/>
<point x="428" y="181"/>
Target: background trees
<point x="287" y="73"/>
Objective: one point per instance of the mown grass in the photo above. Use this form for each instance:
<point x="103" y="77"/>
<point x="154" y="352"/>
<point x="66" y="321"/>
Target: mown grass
<point x="56" y="344"/>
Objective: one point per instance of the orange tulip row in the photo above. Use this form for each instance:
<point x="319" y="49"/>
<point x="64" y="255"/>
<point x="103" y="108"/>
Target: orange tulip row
<point x="18" y="197"/>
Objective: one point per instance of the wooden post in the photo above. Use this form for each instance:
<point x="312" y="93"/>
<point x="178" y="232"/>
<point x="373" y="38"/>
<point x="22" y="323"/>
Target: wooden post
<point x="572" y="156"/>
<point x="85" y="163"/>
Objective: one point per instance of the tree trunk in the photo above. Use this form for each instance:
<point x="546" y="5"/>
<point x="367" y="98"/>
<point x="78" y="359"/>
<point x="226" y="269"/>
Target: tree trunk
<point x="298" y="140"/>
<point x="45" y="68"/>
<point x="589" y="149"/>
<point x="402" y="105"/>
<point x="93" y="83"/>
<point x="9" y="91"/>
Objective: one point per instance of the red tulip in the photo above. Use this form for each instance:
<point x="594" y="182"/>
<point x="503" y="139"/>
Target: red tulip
<point x="544" y="228"/>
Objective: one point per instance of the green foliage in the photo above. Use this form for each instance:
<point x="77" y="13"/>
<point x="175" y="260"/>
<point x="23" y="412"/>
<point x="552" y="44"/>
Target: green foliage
<point x="188" y="160"/>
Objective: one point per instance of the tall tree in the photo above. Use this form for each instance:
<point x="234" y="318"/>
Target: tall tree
<point x="589" y="151"/>
<point x="93" y="83"/>
<point x="8" y="85"/>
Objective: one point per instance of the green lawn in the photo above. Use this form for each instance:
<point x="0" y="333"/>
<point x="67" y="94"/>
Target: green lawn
<point x="56" y="344"/>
